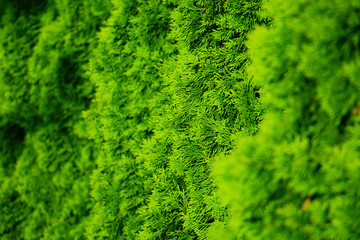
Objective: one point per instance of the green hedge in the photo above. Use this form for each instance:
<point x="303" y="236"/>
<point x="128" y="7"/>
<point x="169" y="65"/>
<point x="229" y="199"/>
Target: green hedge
<point x="139" y="119"/>
<point x="298" y="178"/>
<point x="206" y="104"/>
<point x="124" y="71"/>
<point x="45" y="155"/>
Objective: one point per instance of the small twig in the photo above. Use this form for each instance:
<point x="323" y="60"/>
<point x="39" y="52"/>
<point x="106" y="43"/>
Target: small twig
<point x="305" y="204"/>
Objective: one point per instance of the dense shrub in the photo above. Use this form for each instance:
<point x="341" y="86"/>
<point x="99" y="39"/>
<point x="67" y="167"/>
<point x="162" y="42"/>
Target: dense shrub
<point x="45" y="156"/>
<point x="206" y="104"/>
<point x="298" y="178"/>
<point x="169" y="141"/>
<point x="124" y="71"/>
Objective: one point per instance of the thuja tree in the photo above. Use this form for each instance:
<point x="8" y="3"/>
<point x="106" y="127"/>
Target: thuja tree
<point x="206" y="104"/>
<point x="124" y="71"/>
<point x="299" y="177"/>
<point x="45" y="157"/>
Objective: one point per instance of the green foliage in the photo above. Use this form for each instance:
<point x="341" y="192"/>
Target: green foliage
<point x="19" y="33"/>
<point x="124" y="71"/>
<point x="206" y="104"/>
<point x="168" y="140"/>
<point x="298" y="178"/>
<point x="45" y="156"/>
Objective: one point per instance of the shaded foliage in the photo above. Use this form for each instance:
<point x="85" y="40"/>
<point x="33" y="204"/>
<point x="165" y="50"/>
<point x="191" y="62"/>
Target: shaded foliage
<point x="45" y="155"/>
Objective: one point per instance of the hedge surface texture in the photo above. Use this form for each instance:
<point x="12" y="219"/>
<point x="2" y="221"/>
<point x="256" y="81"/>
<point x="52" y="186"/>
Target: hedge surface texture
<point x="187" y="119"/>
<point x="207" y="102"/>
<point x="124" y="71"/>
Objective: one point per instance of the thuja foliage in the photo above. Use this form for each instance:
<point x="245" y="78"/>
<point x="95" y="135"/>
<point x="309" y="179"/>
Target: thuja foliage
<point x="131" y="45"/>
<point x="207" y="102"/>
<point x="45" y="156"/>
<point x="173" y="98"/>
<point x="299" y="177"/>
